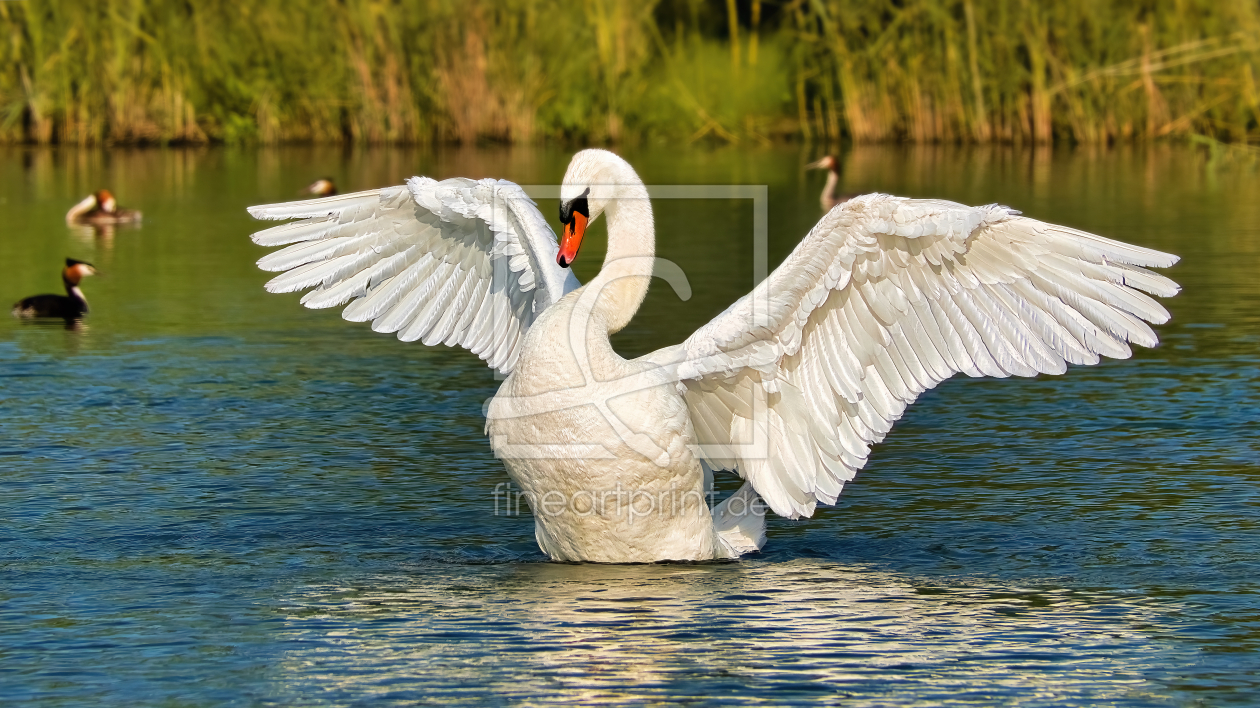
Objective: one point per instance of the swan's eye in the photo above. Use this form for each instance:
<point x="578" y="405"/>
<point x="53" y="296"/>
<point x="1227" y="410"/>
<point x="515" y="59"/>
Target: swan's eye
<point x="576" y="205"/>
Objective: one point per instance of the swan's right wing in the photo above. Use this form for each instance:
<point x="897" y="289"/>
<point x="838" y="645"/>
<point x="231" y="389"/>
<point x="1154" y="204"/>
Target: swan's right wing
<point x="457" y="262"/>
<point x="884" y="299"/>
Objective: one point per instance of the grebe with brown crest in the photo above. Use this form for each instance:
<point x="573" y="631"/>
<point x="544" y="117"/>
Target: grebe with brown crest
<point x="99" y="208"/>
<point x="69" y="306"/>
<point x="828" y="198"/>
<point x="322" y="187"/>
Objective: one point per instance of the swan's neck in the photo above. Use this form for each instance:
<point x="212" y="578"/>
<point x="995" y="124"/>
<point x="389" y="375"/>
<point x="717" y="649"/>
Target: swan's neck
<point x="623" y="280"/>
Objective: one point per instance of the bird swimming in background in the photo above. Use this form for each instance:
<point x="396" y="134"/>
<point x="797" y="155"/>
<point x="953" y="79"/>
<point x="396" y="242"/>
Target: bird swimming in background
<point x="100" y="209"/>
<point x="69" y="306"/>
<point x="322" y="187"/>
<point x="789" y="388"/>
<point x="828" y="198"/>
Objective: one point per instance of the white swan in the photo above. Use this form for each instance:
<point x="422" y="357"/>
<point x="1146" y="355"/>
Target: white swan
<point x="789" y="387"/>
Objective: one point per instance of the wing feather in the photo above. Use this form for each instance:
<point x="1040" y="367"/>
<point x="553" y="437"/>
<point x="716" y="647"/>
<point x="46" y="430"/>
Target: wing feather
<point x="884" y="299"/>
<point x="459" y="262"/>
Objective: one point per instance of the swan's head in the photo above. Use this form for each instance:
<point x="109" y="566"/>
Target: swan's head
<point x="593" y="179"/>
<point x="105" y="201"/>
<point x="828" y="162"/>
<point x="77" y="270"/>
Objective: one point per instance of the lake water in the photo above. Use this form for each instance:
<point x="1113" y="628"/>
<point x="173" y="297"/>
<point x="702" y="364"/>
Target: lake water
<point x="212" y="496"/>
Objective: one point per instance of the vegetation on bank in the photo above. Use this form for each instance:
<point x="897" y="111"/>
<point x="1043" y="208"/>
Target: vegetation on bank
<point x="746" y="71"/>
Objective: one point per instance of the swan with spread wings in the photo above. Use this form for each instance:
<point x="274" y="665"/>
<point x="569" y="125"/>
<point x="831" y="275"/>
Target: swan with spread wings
<point x="788" y="388"/>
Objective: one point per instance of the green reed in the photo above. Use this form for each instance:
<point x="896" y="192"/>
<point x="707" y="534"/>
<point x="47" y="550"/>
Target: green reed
<point x="748" y="71"/>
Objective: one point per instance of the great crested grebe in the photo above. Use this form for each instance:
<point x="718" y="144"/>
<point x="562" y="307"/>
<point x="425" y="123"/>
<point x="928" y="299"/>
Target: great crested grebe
<point x="322" y="187"/>
<point x="101" y="208"/>
<point x="68" y="306"/>
<point x="828" y="198"/>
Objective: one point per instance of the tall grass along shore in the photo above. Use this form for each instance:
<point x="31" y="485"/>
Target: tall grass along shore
<point x="740" y="71"/>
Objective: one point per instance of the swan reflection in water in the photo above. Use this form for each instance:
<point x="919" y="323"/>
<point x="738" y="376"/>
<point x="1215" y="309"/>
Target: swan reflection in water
<point x="795" y="628"/>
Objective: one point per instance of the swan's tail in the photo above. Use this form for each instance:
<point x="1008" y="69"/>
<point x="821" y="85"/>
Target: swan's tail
<point x="740" y="522"/>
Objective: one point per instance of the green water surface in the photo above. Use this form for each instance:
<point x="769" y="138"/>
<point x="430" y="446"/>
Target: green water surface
<point x="212" y="496"/>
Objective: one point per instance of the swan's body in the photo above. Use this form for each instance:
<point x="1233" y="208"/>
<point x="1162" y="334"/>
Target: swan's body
<point x="790" y="387"/>
<point x="606" y="505"/>
<point x="101" y="209"/>
<point x="70" y="306"/>
<point x="641" y="495"/>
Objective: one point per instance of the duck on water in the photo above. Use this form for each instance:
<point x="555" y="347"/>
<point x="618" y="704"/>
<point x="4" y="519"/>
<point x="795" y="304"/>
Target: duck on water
<point x="828" y="198"/>
<point x="69" y="306"/>
<point x="322" y="187"/>
<point x="101" y="208"/>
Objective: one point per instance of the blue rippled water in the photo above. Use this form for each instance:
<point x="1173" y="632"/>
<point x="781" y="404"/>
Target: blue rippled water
<point x="211" y="496"/>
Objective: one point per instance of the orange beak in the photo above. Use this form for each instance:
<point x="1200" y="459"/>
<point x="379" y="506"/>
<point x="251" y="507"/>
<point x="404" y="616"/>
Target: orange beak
<point x="572" y="240"/>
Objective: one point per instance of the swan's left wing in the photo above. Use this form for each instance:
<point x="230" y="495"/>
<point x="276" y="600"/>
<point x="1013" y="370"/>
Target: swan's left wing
<point x="885" y="298"/>
<point x="457" y="262"/>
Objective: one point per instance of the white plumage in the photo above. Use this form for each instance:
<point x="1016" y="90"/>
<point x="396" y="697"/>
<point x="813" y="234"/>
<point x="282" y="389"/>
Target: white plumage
<point x="453" y="262"/>
<point x="884" y="299"/>
<point x="789" y="387"/>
